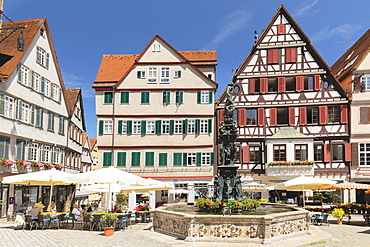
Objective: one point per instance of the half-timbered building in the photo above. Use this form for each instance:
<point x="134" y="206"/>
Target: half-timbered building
<point x="291" y="112"/>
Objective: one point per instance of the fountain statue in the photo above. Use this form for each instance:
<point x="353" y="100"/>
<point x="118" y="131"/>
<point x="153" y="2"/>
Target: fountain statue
<point x="226" y="183"/>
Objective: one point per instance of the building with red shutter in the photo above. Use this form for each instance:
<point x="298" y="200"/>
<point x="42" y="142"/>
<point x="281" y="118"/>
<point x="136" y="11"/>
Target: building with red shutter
<point x="291" y="111"/>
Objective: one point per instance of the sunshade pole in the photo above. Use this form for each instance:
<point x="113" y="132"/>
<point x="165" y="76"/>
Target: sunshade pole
<point x="51" y="194"/>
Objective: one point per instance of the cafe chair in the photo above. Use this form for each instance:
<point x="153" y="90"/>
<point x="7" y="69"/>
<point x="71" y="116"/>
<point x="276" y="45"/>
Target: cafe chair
<point x="28" y="221"/>
<point x="56" y="221"/>
<point x="43" y="221"/>
<point x="96" y="222"/>
<point x="67" y="219"/>
<point x="86" y="222"/>
<point x="121" y="221"/>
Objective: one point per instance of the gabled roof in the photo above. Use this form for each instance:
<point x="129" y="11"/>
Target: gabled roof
<point x="114" y="68"/>
<point x="92" y="143"/>
<point x="352" y="58"/>
<point x="72" y="95"/>
<point x="84" y="138"/>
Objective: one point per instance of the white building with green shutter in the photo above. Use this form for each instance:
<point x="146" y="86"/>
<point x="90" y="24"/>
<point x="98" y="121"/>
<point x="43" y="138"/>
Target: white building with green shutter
<point x="156" y="115"/>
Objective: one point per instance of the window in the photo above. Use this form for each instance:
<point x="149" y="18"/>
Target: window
<point x="191" y="159"/>
<point x="166" y="97"/>
<point x="125" y="97"/>
<point x="191" y="126"/>
<point x="156" y="47"/>
<point x="42" y="57"/>
<point x="204" y="97"/>
<point x="312" y="115"/>
<point x="23" y="111"/>
<point x="365" y="83"/>
<point x="47" y="88"/>
<point x="206" y="158"/>
<point x="150" y="127"/>
<point x="141" y="74"/>
<point x="364" y="115"/>
<point x="122" y="127"/>
<point x="282" y="116"/>
<point x="177" y="74"/>
<point x="108" y="126"/>
<point x="149" y="158"/>
<point x="23" y="75"/>
<point x="33" y="152"/>
<point x="309" y="83"/>
<point x="20" y="149"/>
<point x="121" y="159"/>
<point x="178" y="127"/>
<point x="279" y="153"/>
<point x="152" y="74"/>
<point x="50" y="121"/>
<point x="35" y="81"/>
<point x="300" y="152"/>
<point x="364" y="154"/>
<point x="55" y="92"/>
<point x="203" y="126"/>
<point x="135" y="159"/>
<point x="251" y="116"/>
<point x="338" y="152"/>
<point x="45" y="153"/>
<point x="165" y="126"/>
<point x="136" y="127"/>
<point x="56" y="156"/>
<point x="39" y="117"/>
<point x="4" y="147"/>
<point x="333" y="114"/>
<point x="107" y="158"/>
<point x="162" y="159"/>
<point x="6" y="105"/>
<point x="319" y="152"/>
<point x="145" y="97"/>
<point x="165" y="75"/>
<point x="254" y="154"/>
<point x="108" y="97"/>
<point x="179" y="97"/>
<point x="61" y="125"/>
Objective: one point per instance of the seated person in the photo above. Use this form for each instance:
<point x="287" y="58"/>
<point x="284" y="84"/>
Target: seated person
<point x="35" y="211"/>
<point x="28" y="211"/>
<point x="77" y="211"/>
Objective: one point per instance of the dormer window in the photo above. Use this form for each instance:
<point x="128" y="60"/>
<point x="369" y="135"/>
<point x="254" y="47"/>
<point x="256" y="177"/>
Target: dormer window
<point x="42" y="57"/>
<point x="42" y="32"/>
<point x="156" y="47"/>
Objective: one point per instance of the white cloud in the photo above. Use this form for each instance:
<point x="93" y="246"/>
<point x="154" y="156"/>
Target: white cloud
<point x="304" y="7"/>
<point x="344" y="30"/>
<point x="72" y="81"/>
<point x="228" y="26"/>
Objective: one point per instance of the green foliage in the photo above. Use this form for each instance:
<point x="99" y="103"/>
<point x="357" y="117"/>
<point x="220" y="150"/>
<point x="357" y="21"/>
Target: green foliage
<point x="338" y="213"/>
<point x="263" y="200"/>
<point x="121" y="200"/>
<point x="109" y="220"/>
<point x="209" y="205"/>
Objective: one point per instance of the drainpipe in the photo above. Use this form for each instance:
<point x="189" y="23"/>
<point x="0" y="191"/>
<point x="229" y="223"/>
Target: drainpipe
<point x="114" y="124"/>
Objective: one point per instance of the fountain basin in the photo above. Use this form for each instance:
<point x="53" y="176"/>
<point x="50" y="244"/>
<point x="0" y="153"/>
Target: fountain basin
<point x="258" y="229"/>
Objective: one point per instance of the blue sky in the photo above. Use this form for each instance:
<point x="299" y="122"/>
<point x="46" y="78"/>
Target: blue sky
<point x="84" y="30"/>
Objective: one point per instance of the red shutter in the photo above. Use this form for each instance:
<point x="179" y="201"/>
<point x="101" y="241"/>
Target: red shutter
<point x="299" y="83"/>
<point x="317" y="80"/>
<point x="327" y="153"/>
<point x="242" y="117"/>
<point x="252" y="85"/>
<point x="302" y="116"/>
<point x="281" y="84"/>
<point x="347" y="152"/>
<point x="323" y="113"/>
<point x="343" y="114"/>
<point x="261" y="117"/>
<point x="291" y="55"/>
<point x="245" y="157"/>
<point x="292" y="116"/>
<point x="281" y="29"/>
<point x="272" y="56"/>
<point x="263" y="85"/>
<point x="221" y="115"/>
<point x="272" y="116"/>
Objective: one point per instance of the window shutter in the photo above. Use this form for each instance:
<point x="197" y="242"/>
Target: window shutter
<point x="42" y="84"/>
<point x="143" y="127"/>
<point x="18" y="109"/>
<point x="323" y="112"/>
<point x="158" y="127"/>
<point x="108" y="99"/>
<point x="327" y="153"/>
<point x="138" y="74"/>
<point x="166" y="97"/>
<point x="199" y="159"/>
<point x="299" y="83"/>
<point x="221" y="116"/>
<point x="19" y="70"/>
<point x="291" y="55"/>
<point x="125" y="97"/>
<point x="162" y="159"/>
<point x="33" y="80"/>
<point x="343" y="114"/>
<point x="242" y="117"/>
<point x="179" y="73"/>
<point x="272" y="56"/>
<point x="354" y="154"/>
<point x="177" y="159"/>
<point x="32" y="121"/>
<point x="210" y="97"/>
<point x="185" y="126"/>
<point x="245" y="153"/>
<point x="107" y="159"/>
<point x="135" y="159"/>
<point x="185" y="159"/>
<point x="172" y="127"/>
<point x="212" y="154"/>
<point x="149" y="159"/>
<point x="252" y="85"/>
<point x="273" y="117"/>
<point x="199" y="96"/>
<point x="261" y="117"/>
<point x="47" y="60"/>
<point x="347" y="152"/>
<point x="367" y="114"/>
<point x="292" y="116"/>
<point x="281" y="84"/>
<point x="317" y="80"/>
<point x="209" y="125"/>
<point x="263" y="85"/>
<point x="363" y="114"/>
<point x="302" y="115"/>
<point x="281" y="29"/>
<point x="2" y="103"/>
<point x="180" y="97"/>
<point x="129" y="126"/>
<point x="197" y="126"/>
<point x="121" y="159"/>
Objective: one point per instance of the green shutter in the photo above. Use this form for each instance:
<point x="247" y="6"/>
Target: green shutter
<point x="149" y="158"/>
<point x="33" y="80"/>
<point x="210" y="97"/>
<point x="135" y="159"/>
<point x="158" y="127"/>
<point x="162" y="159"/>
<point x="185" y="126"/>
<point x="209" y="125"/>
<point x="179" y="73"/>
<point x="2" y="103"/>
<point x="166" y="97"/>
<point x="212" y="158"/>
<point x="197" y="126"/>
<point x="199" y="159"/>
<point x="19" y="70"/>
<point x="199" y="96"/>
<point x="108" y="97"/>
<point x="180" y="97"/>
<point x="42" y="84"/>
<point x="185" y="159"/>
<point x="139" y="74"/>
<point x="129" y="126"/>
<point x="125" y="97"/>
<point x="120" y="126"/>
<point x="177" y="159"/>
<point x="121" y="159"/>
<point x="172" y="126"/>
<point x="145" y="97"/>
<point x="32" y="120"/>
<point x="47" y="60"/>
<point x="143" y="127"/>
<point x="107" y="158"/>
<point x="101" y="127"/>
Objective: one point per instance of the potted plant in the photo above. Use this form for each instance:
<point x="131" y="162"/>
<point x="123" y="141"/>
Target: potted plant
<point x="338" y="214"/>
<point x="109" y="221"/>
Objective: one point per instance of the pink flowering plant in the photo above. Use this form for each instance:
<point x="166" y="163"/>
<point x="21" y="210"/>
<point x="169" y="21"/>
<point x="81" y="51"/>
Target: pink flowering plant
<point x="291" y="163"/>
<point x="7" y="163"/>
